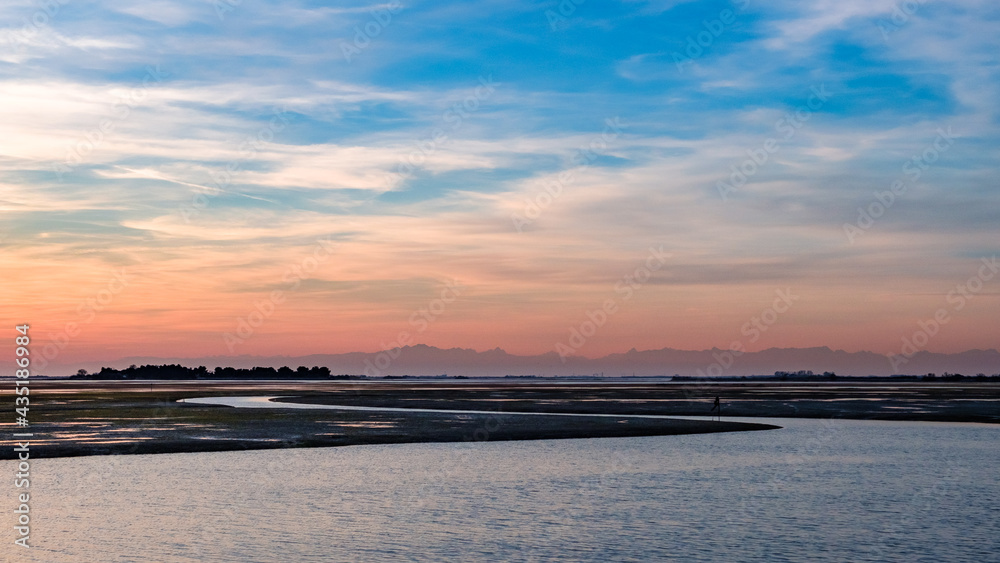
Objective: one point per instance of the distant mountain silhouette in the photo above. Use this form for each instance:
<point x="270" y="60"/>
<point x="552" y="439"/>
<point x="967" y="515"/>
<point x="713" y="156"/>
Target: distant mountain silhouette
<point x="429" y="360"/>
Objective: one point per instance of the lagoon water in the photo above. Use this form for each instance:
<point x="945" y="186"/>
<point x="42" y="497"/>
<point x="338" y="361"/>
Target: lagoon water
<point x="816" y="490"/>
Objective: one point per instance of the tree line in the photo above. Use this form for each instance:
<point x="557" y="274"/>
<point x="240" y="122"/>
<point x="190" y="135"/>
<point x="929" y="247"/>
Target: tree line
<point x="177" y="371"/>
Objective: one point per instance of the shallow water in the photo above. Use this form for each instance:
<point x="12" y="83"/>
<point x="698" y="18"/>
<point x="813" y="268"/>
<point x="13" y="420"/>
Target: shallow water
<point x="269" y="402"/>
<point x="813" y="491"/>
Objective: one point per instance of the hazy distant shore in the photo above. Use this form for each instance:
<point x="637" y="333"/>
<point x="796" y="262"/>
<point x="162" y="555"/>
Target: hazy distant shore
<point x="424" y="360"/>
<point x="73" y="418"/>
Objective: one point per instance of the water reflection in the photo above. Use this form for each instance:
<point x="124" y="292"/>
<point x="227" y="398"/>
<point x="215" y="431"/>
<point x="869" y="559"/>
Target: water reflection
<point x="826" y="491"/>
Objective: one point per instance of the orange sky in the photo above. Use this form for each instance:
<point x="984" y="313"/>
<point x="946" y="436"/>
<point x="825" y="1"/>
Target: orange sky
<point x="164" y="171"/>
<point x="469" y="289"/>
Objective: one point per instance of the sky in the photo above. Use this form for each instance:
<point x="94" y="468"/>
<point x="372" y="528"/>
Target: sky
<point x="226" y="177"/>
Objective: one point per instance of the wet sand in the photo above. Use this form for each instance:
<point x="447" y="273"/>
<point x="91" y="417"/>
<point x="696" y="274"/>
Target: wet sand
<point x="883" y="400"/>
<point x="72" y="418"/>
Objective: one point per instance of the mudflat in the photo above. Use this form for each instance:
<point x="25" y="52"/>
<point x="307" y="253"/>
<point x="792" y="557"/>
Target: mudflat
<point x="73" y="418"/>
<point x="877" y="400"/>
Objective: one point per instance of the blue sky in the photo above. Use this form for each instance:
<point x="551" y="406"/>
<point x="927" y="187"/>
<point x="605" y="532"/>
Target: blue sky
<point x="491" y="102"/>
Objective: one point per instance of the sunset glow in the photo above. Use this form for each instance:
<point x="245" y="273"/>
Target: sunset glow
<point x="183" y="180"/>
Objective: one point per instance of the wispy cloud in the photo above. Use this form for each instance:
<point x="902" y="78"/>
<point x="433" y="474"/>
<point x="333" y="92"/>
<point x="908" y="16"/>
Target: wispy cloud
<point x="77" y="86"/>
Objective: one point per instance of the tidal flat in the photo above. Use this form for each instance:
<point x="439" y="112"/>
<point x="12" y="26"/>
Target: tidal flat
<point x="74" y="418"/>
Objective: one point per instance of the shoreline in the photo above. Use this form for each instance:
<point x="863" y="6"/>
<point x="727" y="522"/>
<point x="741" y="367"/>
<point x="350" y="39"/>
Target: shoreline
<point x="115" y="418"/>
<point x="933" y="402"/>
<point x="301" y="432"/>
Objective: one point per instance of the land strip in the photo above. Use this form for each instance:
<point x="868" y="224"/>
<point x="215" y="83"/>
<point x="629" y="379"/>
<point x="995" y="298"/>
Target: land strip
<point x="71" y="418"/>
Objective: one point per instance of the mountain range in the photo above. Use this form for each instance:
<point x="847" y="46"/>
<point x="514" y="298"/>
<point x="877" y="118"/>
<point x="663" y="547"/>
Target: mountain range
<point x="422" y="359"/>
